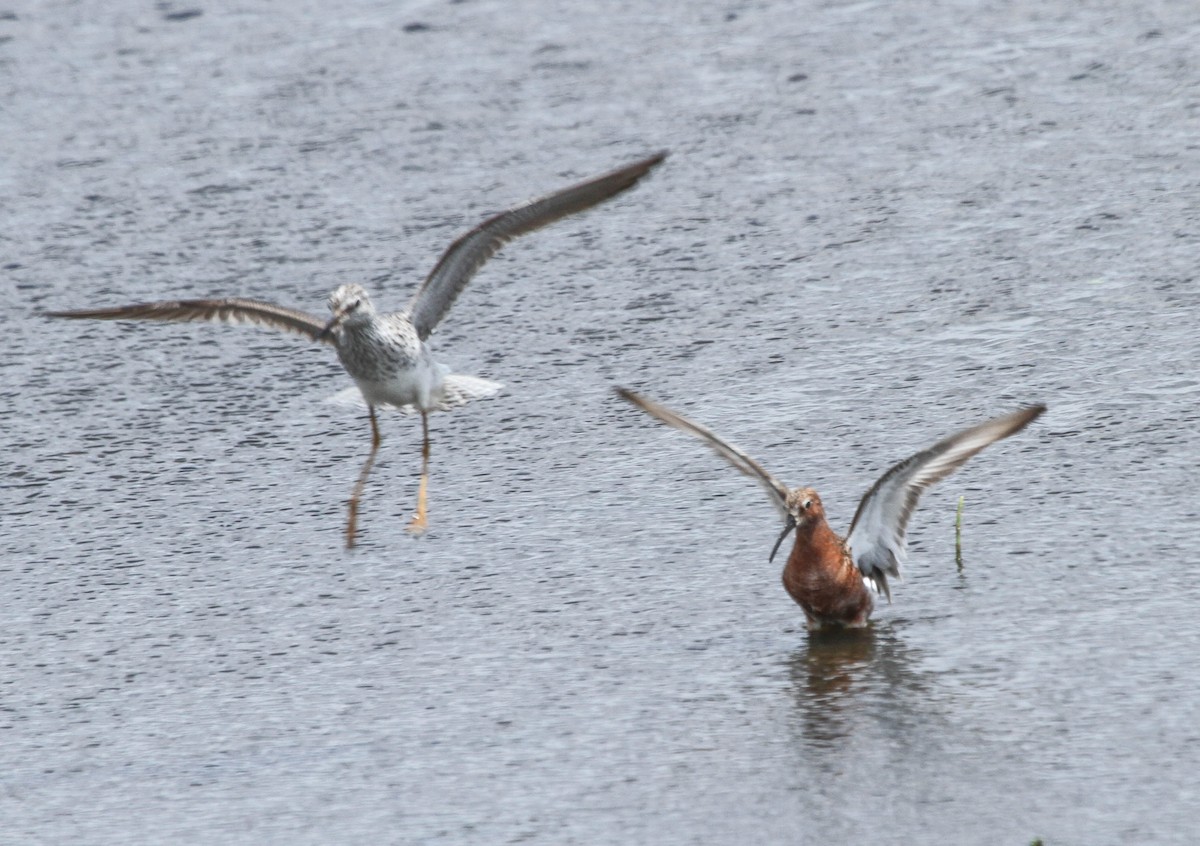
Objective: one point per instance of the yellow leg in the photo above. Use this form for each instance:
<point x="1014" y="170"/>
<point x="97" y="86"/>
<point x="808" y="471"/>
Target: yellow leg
<point x="419" y="521"/>
<point x="352" y="522"/>
<point x="374" y="428"/>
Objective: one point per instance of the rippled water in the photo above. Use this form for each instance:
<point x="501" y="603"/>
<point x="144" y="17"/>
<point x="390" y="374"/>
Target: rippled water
<point x="881" y="222"/>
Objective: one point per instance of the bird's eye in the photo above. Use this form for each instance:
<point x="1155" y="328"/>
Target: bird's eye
<point x="807" y="504"/>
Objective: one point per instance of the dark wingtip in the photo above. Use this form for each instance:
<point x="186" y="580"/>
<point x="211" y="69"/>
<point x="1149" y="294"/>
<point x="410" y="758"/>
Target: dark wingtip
<point x="82" y="314"/>
<point x="633" y="398"/>
<point x="881" y="585"/>
<point x="640" y="168"/>
<point x="1030" y="413"/>
<point x="91" y="313"/>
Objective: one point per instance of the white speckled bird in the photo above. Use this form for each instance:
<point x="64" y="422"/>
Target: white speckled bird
<point x="387" y="354"/>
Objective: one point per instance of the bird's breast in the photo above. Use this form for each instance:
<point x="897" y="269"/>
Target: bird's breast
<point x="821" y="577"/>
<point x="379" y="351"/>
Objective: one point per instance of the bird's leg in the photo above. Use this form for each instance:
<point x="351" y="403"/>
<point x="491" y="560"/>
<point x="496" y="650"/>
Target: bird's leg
<point x="419" y="522"/>
<point x="352" y="522"/>
<point x="374" y="429"/>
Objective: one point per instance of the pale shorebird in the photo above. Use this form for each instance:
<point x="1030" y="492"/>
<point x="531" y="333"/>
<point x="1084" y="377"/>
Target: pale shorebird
<point x="829" y="576"/>
<point x="387" y="354"/>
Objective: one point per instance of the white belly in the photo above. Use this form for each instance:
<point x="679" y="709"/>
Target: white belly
<point x="419" y="385"/>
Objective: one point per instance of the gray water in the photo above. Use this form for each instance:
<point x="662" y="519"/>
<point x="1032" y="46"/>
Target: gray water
<point x="881" y="222"/>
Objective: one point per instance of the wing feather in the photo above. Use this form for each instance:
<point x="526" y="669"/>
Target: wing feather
<point x="232" y="311"/>
<point x="877" y="533"/>
<point x="775" y="489"/>
<point x="466" y="255"/>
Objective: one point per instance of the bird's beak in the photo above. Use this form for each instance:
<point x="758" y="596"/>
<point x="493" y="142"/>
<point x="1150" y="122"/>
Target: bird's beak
<point x="791" y="524"/>
<point x="333" y="323"/>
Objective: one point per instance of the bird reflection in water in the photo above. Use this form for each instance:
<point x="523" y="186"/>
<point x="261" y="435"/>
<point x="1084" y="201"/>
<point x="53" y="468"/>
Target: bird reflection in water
<point x="843" y="675"/>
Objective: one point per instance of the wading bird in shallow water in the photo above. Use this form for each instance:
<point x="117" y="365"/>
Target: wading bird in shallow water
<point x="387" y="354"/>
<point x="827" y="575"/>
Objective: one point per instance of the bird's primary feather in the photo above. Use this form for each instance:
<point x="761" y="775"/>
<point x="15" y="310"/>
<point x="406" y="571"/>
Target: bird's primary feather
<point x="775" y="489"/>
<point x="877" y="534"/>
<point x="233" y="311"/>
<point x="469" y="252"/>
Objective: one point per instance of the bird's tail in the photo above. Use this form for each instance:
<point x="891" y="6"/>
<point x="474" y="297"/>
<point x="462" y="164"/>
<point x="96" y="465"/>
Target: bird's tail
<point x="458" y="389"/>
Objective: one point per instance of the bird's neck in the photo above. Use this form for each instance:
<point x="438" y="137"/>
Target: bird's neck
<point x="815" y="543"/>
<point x="361" y="325"/>
<point x="363" y="318"/>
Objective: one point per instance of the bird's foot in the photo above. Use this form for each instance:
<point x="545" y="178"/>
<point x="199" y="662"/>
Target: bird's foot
<point x="418" y="525"/>
<point x="420" y="522"/>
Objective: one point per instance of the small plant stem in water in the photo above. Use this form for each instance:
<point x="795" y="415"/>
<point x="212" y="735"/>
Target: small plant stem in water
<point x="958" y="535"/>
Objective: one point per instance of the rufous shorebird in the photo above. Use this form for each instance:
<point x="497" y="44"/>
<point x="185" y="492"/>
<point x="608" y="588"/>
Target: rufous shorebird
<point x="830" y="577"/>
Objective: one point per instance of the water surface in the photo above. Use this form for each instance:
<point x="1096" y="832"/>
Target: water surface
<point x="881" y="222"/>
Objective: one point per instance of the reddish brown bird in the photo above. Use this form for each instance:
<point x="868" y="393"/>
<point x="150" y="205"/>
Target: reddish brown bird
<point x="827" y="575"/>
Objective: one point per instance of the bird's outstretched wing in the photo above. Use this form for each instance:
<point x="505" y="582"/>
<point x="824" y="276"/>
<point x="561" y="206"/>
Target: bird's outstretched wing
<point x="877" y="533"/>
<point x="775" y="489"/>
<point x="232" y="311"/>
<point x="466" y="255"/>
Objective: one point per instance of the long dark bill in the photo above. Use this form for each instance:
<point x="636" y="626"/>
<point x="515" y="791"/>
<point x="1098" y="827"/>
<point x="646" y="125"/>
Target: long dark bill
<point x="334" y="323"/>
<point x="791" y="524"/>
<point x="329" y="327"/>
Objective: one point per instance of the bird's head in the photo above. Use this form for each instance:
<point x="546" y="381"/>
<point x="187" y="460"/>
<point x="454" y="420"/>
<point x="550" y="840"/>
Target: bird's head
<point x="350" y="305"/>
<point x="803" y="507"/>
